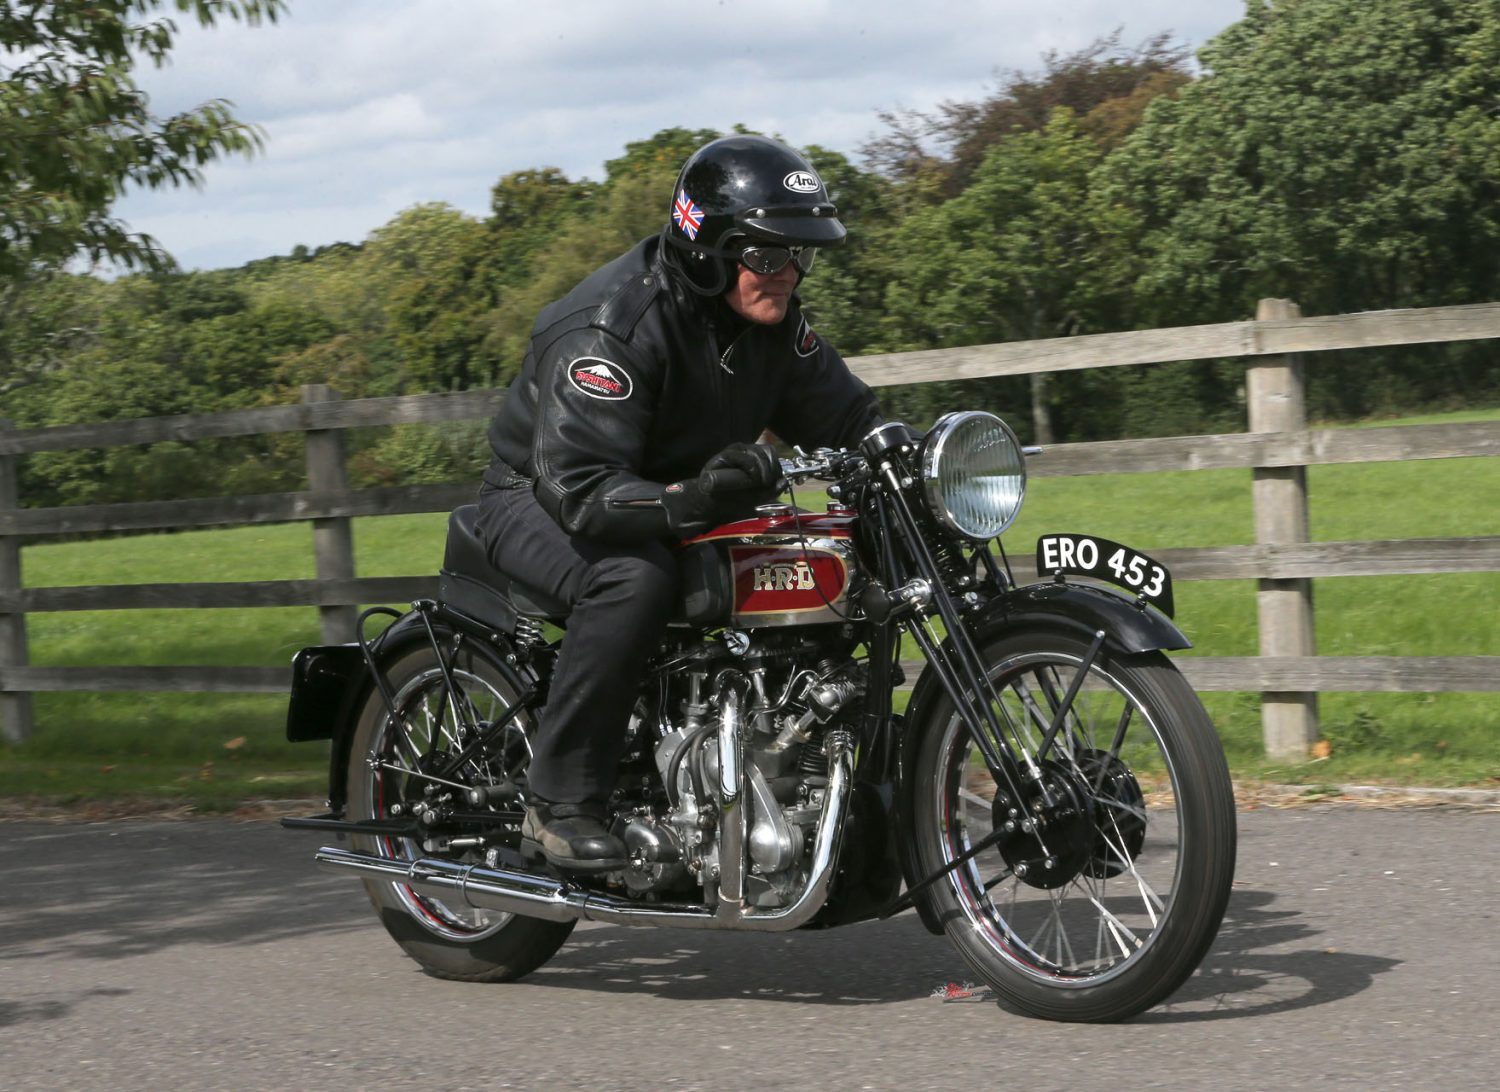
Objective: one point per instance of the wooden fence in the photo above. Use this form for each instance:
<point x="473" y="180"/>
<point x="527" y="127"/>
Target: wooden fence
<point x="1278" y="447"/>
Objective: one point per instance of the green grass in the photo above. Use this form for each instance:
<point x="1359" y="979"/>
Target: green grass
<point x="214" y="750"/>
<point x="1432" y="739"/>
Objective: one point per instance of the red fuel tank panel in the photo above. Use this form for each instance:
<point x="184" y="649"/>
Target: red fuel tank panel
<point x="786" y="568"/>
<point x="786" y="581"/>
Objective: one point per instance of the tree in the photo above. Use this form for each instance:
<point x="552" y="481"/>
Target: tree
<point x="75" y="130"/>
<point x="425" y="264"/>
<point x="1339" y="152"/>
<point x="1105" y="85"/>
<point x="527" y="208"/>
<point x="1342" y="154"/>
<point x="1010" y="259"/>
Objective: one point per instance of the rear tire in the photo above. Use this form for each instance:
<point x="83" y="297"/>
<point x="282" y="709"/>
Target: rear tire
<point x="448" y="941"/>
<point x="1105" y="910"/>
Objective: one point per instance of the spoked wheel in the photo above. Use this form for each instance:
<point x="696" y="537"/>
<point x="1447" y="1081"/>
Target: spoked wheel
<point x="385" y="759"/>
<point x="1103" y="880"/>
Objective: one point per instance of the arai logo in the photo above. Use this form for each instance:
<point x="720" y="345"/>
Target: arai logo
<point x="802" y="182"/>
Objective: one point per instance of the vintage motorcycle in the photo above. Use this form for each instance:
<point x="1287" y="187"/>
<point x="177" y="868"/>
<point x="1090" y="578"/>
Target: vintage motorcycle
<point x="1053" y="796"/>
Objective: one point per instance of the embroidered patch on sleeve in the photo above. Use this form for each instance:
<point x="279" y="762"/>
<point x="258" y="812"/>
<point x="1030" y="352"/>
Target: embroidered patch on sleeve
<point x="806" y="341"/>
<point x="600" y="378"/>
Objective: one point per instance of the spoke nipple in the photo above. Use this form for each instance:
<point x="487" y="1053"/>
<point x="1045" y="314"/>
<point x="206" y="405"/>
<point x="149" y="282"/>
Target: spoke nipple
<point x="1050" y="863"/>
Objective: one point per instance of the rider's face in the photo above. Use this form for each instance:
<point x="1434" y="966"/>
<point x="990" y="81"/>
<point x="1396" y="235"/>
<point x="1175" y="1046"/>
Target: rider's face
<point x="762" y="297"/>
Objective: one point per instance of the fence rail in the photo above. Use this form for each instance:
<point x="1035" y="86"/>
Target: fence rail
<point x="1277" y="450"/>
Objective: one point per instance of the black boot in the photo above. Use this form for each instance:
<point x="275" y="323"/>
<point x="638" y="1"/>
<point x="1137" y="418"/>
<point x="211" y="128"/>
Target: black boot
<point x="573" y="837"/>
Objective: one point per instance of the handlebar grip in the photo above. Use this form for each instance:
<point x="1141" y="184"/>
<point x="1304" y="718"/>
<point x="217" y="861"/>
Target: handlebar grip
<point x="725" y="479"/>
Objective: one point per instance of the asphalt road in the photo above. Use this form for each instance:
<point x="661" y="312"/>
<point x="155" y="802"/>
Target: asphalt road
<point x="1360" y="949"/>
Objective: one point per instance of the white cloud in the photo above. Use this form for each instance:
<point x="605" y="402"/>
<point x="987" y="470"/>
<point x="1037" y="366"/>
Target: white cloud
<point x="370" y="106"/>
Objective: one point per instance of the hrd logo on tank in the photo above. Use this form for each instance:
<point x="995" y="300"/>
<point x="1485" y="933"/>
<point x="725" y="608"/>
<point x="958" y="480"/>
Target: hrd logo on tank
<point x="782" y="577"/>
<point x="600" y="378"/>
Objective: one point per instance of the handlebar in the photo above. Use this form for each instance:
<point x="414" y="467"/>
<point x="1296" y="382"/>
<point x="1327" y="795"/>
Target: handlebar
<point x="825" y="463"/>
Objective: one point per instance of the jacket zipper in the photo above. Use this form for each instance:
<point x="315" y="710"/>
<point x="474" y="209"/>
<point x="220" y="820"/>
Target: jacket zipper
<point x="724" y="356"/>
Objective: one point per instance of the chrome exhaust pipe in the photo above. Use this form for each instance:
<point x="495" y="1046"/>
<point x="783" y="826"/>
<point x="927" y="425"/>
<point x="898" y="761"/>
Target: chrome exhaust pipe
<point x="545" y="897"/>
<point x="734" y="688"/>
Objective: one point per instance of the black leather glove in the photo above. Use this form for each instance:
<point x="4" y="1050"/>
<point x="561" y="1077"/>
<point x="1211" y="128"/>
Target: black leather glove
<point x="730" y="485"/>
<point x="742" y="468"/>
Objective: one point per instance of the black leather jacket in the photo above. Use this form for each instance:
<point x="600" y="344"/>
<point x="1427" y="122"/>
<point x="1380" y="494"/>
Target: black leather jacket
<point x="632" y="382"/>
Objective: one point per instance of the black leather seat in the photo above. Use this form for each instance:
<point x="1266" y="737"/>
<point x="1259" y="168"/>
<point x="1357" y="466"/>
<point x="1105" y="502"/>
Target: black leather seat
<point x="469" y="583"/>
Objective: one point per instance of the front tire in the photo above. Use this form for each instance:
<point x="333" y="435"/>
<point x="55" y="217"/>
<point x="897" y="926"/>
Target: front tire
<point x="449" y="941"/>
<point x="1107" y="906"/>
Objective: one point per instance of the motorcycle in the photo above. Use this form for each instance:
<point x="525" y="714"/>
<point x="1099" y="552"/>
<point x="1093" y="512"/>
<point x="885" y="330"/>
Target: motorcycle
<point x="1052" y="796"/>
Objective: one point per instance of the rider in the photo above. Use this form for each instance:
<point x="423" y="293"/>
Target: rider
<point x="632" y="425"/>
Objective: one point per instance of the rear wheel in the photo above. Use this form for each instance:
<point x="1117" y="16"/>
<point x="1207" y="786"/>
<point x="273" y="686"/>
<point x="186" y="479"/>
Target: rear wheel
<point x="1105" y="877"/>
<point x="385" y="758"/>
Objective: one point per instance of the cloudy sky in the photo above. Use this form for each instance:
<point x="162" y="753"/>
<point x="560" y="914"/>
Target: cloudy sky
<point x="371" y="106"/>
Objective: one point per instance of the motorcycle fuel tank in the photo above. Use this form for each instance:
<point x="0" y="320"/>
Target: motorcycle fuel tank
<point x="780" y="568"/>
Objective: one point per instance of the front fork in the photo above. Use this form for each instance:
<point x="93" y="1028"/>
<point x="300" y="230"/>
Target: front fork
<point x="957" y="662"/>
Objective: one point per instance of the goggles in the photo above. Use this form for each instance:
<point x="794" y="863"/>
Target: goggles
<point x="772" y="259"/>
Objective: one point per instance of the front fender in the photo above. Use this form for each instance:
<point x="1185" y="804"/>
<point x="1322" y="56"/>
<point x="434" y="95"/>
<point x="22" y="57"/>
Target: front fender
<point x="1084" y="609"/>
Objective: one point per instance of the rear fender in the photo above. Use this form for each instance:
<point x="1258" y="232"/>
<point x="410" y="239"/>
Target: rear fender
<point x="330" y="684"/>
<point x="1081" y="609"/>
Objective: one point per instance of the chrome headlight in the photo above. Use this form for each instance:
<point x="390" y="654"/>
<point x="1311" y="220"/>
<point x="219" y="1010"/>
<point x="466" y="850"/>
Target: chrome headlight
<point x="973" y="473"/>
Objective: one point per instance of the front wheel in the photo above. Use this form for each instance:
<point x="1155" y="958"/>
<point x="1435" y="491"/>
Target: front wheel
<point x="1109" y="858"/>
<point x="385" y="762"/>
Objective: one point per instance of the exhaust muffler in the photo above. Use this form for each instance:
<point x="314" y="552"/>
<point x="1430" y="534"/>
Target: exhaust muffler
<point x="550" y="899"/>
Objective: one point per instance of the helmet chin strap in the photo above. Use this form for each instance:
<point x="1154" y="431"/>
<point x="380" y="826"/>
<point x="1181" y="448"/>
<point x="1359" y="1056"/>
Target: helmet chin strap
<point x="693" y="262"/>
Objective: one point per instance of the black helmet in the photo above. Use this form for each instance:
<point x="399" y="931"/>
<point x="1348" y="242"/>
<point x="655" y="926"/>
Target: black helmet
<point x="747" y="187"/>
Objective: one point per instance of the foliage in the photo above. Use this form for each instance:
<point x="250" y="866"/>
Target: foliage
<point x="1339" y="153"/>
<point x="75" y="129"/>
<point x="1109" y="189"/>
<point x="1104" y="85"/>
<point x="75" y="132"/>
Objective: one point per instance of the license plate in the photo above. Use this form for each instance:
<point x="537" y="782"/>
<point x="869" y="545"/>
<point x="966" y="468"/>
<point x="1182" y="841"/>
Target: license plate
<point x="1111" y="562"/>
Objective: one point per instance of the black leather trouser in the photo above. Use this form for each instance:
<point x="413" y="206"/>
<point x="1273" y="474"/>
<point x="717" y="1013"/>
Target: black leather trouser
<point x="619" y="601"/>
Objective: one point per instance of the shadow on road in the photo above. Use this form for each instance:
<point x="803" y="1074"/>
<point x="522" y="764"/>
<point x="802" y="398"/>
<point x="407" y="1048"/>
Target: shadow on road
<point x="108" y="891"/>
<point x="30" y="1011"/>
<point x="870" y="963"/>
<point x="1260" y="964"/>
<point x="1252" y="970"/>
<point x="112" y="891"/>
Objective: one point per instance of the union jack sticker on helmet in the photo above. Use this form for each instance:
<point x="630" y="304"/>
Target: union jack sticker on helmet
<point x="687" y="216"/>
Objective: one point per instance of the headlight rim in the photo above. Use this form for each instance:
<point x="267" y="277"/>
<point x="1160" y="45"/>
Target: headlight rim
<point x="947" y="426"/>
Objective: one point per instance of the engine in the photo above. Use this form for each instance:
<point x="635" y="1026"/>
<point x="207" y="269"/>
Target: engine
<point x="734" y="723"/>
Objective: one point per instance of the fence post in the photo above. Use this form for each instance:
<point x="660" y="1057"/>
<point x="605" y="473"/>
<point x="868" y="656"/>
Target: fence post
<point x="1274" y="391"/>
<point x="333" y="539"/>
<point x="16" y="716"/>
